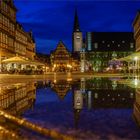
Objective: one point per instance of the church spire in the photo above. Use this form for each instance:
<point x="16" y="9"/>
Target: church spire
<point x="76" y="27"/>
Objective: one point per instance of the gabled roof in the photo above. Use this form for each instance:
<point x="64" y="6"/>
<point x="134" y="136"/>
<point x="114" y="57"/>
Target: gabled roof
<point x="61" y="44"/>
<point x="10" y="3"/>
<point x="137" y="15"/>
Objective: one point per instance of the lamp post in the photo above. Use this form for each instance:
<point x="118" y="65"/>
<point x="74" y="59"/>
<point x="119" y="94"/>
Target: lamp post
<point x="136" y="63"/>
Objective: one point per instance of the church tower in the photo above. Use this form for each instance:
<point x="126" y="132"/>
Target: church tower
<point x="77" y="35"/>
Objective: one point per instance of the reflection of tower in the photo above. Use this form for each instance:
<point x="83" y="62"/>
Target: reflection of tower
<point x="89" y="99"/>
<point x="78" y="104"/>
<point x="77" y="35"/>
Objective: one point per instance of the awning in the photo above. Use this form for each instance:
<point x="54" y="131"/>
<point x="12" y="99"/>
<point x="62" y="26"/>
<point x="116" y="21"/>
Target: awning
<point x="15" y="59"/>
<point x="21" y="60"/>
<point x="132" y="57"/>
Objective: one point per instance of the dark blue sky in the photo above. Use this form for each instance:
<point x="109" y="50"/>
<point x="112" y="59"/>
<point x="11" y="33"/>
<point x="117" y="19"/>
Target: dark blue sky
<point x="52" y="20"/>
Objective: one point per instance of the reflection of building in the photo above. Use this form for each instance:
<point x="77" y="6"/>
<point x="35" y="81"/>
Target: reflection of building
<point x="104" y="46"/>
<point x="136" y="110"/>
<point x="61" y="88"/>
<point x="77" y="36"/>
<point x="103" y="93"/>
<point x="13" y="39"/>
<point x="17" y="98"/>
<point x="112" y="98"/>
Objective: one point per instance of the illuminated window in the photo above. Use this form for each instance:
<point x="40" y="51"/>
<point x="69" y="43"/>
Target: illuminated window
<point x="131" y="45"/>
<point x="96" y="95"/>
<point x="95" y="45"/>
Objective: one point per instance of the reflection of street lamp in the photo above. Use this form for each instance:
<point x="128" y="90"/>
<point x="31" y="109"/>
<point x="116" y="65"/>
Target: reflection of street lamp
<point x="54" y="65"/>
<point x="69" y="66"/>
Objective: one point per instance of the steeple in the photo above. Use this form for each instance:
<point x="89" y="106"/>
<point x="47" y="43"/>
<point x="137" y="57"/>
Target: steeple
<point x="76" y="27"/>
<point x="77" y="39"/>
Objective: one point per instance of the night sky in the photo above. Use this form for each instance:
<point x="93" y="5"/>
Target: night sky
<point x="52" y="20"/>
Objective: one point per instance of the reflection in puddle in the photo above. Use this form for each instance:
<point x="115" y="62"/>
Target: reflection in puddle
<point x="16" y="98"/>
<point x="136" y="110"/>
<point x="85" y="108"/>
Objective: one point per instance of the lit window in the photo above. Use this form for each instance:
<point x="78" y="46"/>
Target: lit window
<point x="123" y="41"/>
<point x="95" y="45"/>
<point x="131" y="45"/>
<point x="112" y="41"/>
<point x="103" y="41"/>
<point x="108" y="45"/>
<point x="118" y="45"/>
<point x="96" y="95"/>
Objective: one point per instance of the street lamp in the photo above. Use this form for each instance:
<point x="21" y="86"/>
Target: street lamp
<point x="135" y="58"/>
<point x="136" y="62"/>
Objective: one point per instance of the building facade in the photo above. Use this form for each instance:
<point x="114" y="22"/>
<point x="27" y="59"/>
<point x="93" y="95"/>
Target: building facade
<point x="7" y="29"/>
<point x="14" y="40"/>
<point x="60" y="58"/>
<point x="102" y="47"/>
<point x="136" y="26"/>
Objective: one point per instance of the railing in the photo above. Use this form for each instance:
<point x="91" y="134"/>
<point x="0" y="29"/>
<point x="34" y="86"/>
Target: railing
<point x="44" y="131"/>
